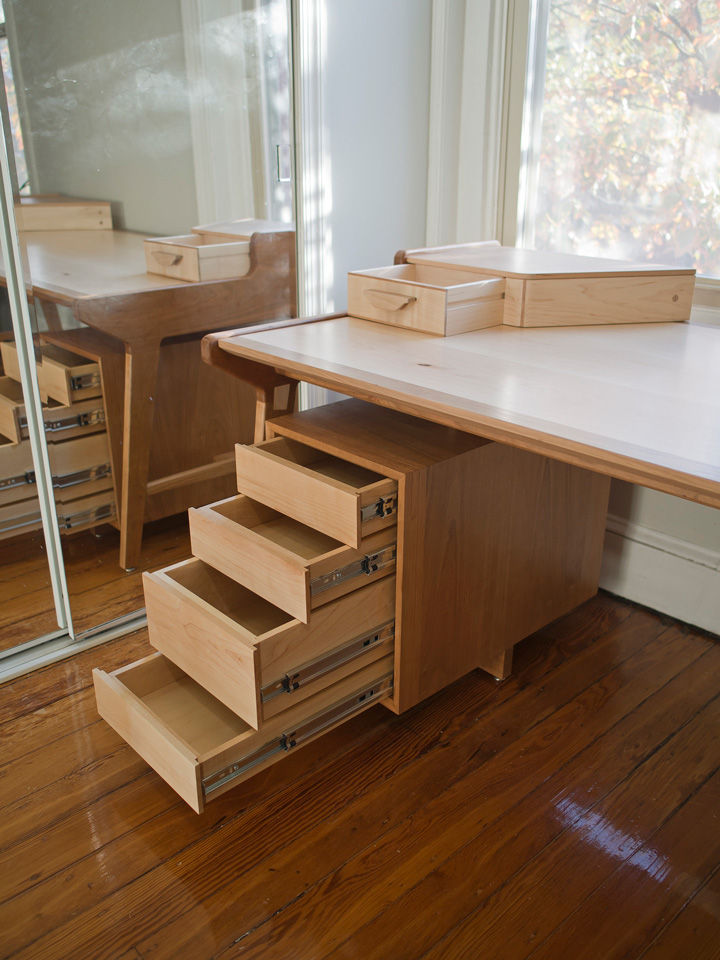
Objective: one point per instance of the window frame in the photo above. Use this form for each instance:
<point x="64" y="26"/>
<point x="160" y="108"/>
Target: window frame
<point x="484" y="184"/>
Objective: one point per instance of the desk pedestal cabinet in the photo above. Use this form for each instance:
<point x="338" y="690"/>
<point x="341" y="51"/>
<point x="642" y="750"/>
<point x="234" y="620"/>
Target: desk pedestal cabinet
<point x="370" y="557"/>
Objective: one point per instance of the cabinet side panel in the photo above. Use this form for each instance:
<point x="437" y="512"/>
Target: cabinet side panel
<point x="494" y="545"/>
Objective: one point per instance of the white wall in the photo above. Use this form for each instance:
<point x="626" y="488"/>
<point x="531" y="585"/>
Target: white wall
<point x="376" y="104"/>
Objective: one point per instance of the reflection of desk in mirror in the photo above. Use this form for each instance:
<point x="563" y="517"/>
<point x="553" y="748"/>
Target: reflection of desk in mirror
<point x="171" y="426"/>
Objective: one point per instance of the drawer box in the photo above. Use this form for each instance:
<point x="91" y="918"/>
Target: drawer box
<point x="9" y="354"/>
<point x="21" y="516"/>
<point x="16" y="471"/>
<point x="12" y="407"/>
<point x="67" y="377"/>
<point x="64" y="213"/>
<point x="549" y="289"/>
<point x="62" y="375"/>
<point x="78" y="466"/>
<point x="199" y="746"/>
<point x="62" y="421"/>
<point x="426" y="298"/>
<point x="293" y="566"/>
<point x="254" y="657"/>
<point x="196" y="257"/>
<point x="338" y="498"/>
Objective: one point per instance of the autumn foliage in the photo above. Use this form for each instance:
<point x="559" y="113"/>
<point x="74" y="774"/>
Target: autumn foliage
<point x="629" y="158"/>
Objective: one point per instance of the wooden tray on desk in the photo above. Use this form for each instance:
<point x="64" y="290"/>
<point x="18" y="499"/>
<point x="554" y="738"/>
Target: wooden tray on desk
<point x="544" y="289"/>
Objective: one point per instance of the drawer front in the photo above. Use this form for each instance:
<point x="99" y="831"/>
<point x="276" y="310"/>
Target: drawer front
<point x="19" y="516"/>
<point x="67" y="377"/>
<point x="427" y="299"/>
<point x="194" y="257"/>
<point x="197" y="745"/>
<point x="255" y="658"/>
<point x="338" y="498"/>
<point x="79" y="466"/>
<point x="22" y="516"/>
<point x="11" y="366"/>
<point x="62" y="421"/>
<point x="11" y="407"/>
<point x="293" y="566"/>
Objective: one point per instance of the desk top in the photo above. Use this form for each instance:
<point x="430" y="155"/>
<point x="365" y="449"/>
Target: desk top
<point x="69" y="265"/>
<point x="636" y="401"/>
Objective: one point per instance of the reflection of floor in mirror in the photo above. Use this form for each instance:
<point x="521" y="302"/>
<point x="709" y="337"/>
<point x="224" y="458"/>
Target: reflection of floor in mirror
<point x="569" y="811"/>
<point x="99" y="589"/>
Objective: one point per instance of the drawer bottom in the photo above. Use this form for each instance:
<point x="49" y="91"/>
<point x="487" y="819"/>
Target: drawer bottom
<point x="199" y="746"/>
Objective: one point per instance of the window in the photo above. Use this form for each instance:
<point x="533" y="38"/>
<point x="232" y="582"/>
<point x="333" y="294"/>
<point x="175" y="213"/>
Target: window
<point x="621" y="131"/>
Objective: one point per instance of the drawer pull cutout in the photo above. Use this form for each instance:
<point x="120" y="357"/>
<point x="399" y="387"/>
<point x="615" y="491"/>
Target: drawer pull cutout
<point x="312" y="727"/>
<point x="315" y="669"/>
<point x="369" y="564"/>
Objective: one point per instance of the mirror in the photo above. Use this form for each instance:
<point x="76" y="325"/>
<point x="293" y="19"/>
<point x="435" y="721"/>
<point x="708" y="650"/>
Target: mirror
<point x="170" y="121"/>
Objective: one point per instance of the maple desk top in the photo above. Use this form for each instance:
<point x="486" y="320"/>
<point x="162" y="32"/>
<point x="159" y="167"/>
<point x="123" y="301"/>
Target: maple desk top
<point x="69" y="265"/>
<point x="640" y="402"/>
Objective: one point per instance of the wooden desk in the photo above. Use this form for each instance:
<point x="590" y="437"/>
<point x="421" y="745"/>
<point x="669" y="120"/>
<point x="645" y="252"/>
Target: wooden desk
<point x="100" y="275"/>
<point x="480" y="543"/>
<point x="640" y="402"/>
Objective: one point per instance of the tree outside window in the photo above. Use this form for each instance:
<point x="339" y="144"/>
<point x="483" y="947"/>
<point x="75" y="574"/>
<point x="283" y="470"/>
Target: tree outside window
<point x="627" y="154"/>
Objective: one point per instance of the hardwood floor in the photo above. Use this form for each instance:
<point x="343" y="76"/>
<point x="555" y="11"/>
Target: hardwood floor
<point x="99" y="588"/>
<point x="570" y="811"/>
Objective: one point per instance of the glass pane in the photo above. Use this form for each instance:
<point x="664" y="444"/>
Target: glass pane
<point x="627" y="159"/>
<point x="169" y="116"/>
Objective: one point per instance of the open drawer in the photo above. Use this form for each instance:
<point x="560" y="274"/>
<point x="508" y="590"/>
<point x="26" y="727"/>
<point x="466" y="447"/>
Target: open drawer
<point x="12" y="407"/>
<point x="254" y="657"/>
<point x="430" y="299"/>
<point x="196" y="257"/>
<point x="67" y="377"/>
<point x="62" y="421"/>
<point x="79" y="466"/>
<point x="199" y="746"/>
<point x="341" y="499"/>
<point x="293" y="566"/>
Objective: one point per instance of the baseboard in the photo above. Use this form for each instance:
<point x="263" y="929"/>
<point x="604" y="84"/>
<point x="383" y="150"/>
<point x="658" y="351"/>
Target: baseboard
<point x="662" y="572"/>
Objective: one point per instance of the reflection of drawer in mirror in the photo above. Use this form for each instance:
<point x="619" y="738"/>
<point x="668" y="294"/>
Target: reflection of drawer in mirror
<point x="80" y="465"/>
<point x="199" y="746"/>
<point x="339" y="498"/>
<point x="22" y="516"/>
<point x="254" y="657"/>
<point x="196" y="257"/>
<point x="67" y="377"/>
<point x="62" y="375"/>
<point x="62" y="421"/>
<point x="292" y="565"/>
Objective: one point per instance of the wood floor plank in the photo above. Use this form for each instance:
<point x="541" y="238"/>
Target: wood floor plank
<point x="406" y="829"/>
<point x="34" y="691"/>
<point x="274" y="830"/>
<point x="543" y="894"/>
<point x="466" y="881"/>
<point x="43" y="727"/>
<point x="462" y="702"/>
<point x="378" y="875"/>
<point x="394" y="805"/>
<point x="652" y="883"/>
<point x="695" y="930"/>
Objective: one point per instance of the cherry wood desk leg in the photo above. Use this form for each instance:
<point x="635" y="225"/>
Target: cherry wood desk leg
<point x="141" y="368"/>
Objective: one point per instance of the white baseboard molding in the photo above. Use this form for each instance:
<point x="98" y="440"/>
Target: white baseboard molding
<point x="673" y="576"/>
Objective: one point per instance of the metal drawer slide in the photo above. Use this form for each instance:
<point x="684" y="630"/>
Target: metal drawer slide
<point x="365" y="566"/>
<point x="298" y="735"/>
<point x="320" y="666"/>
